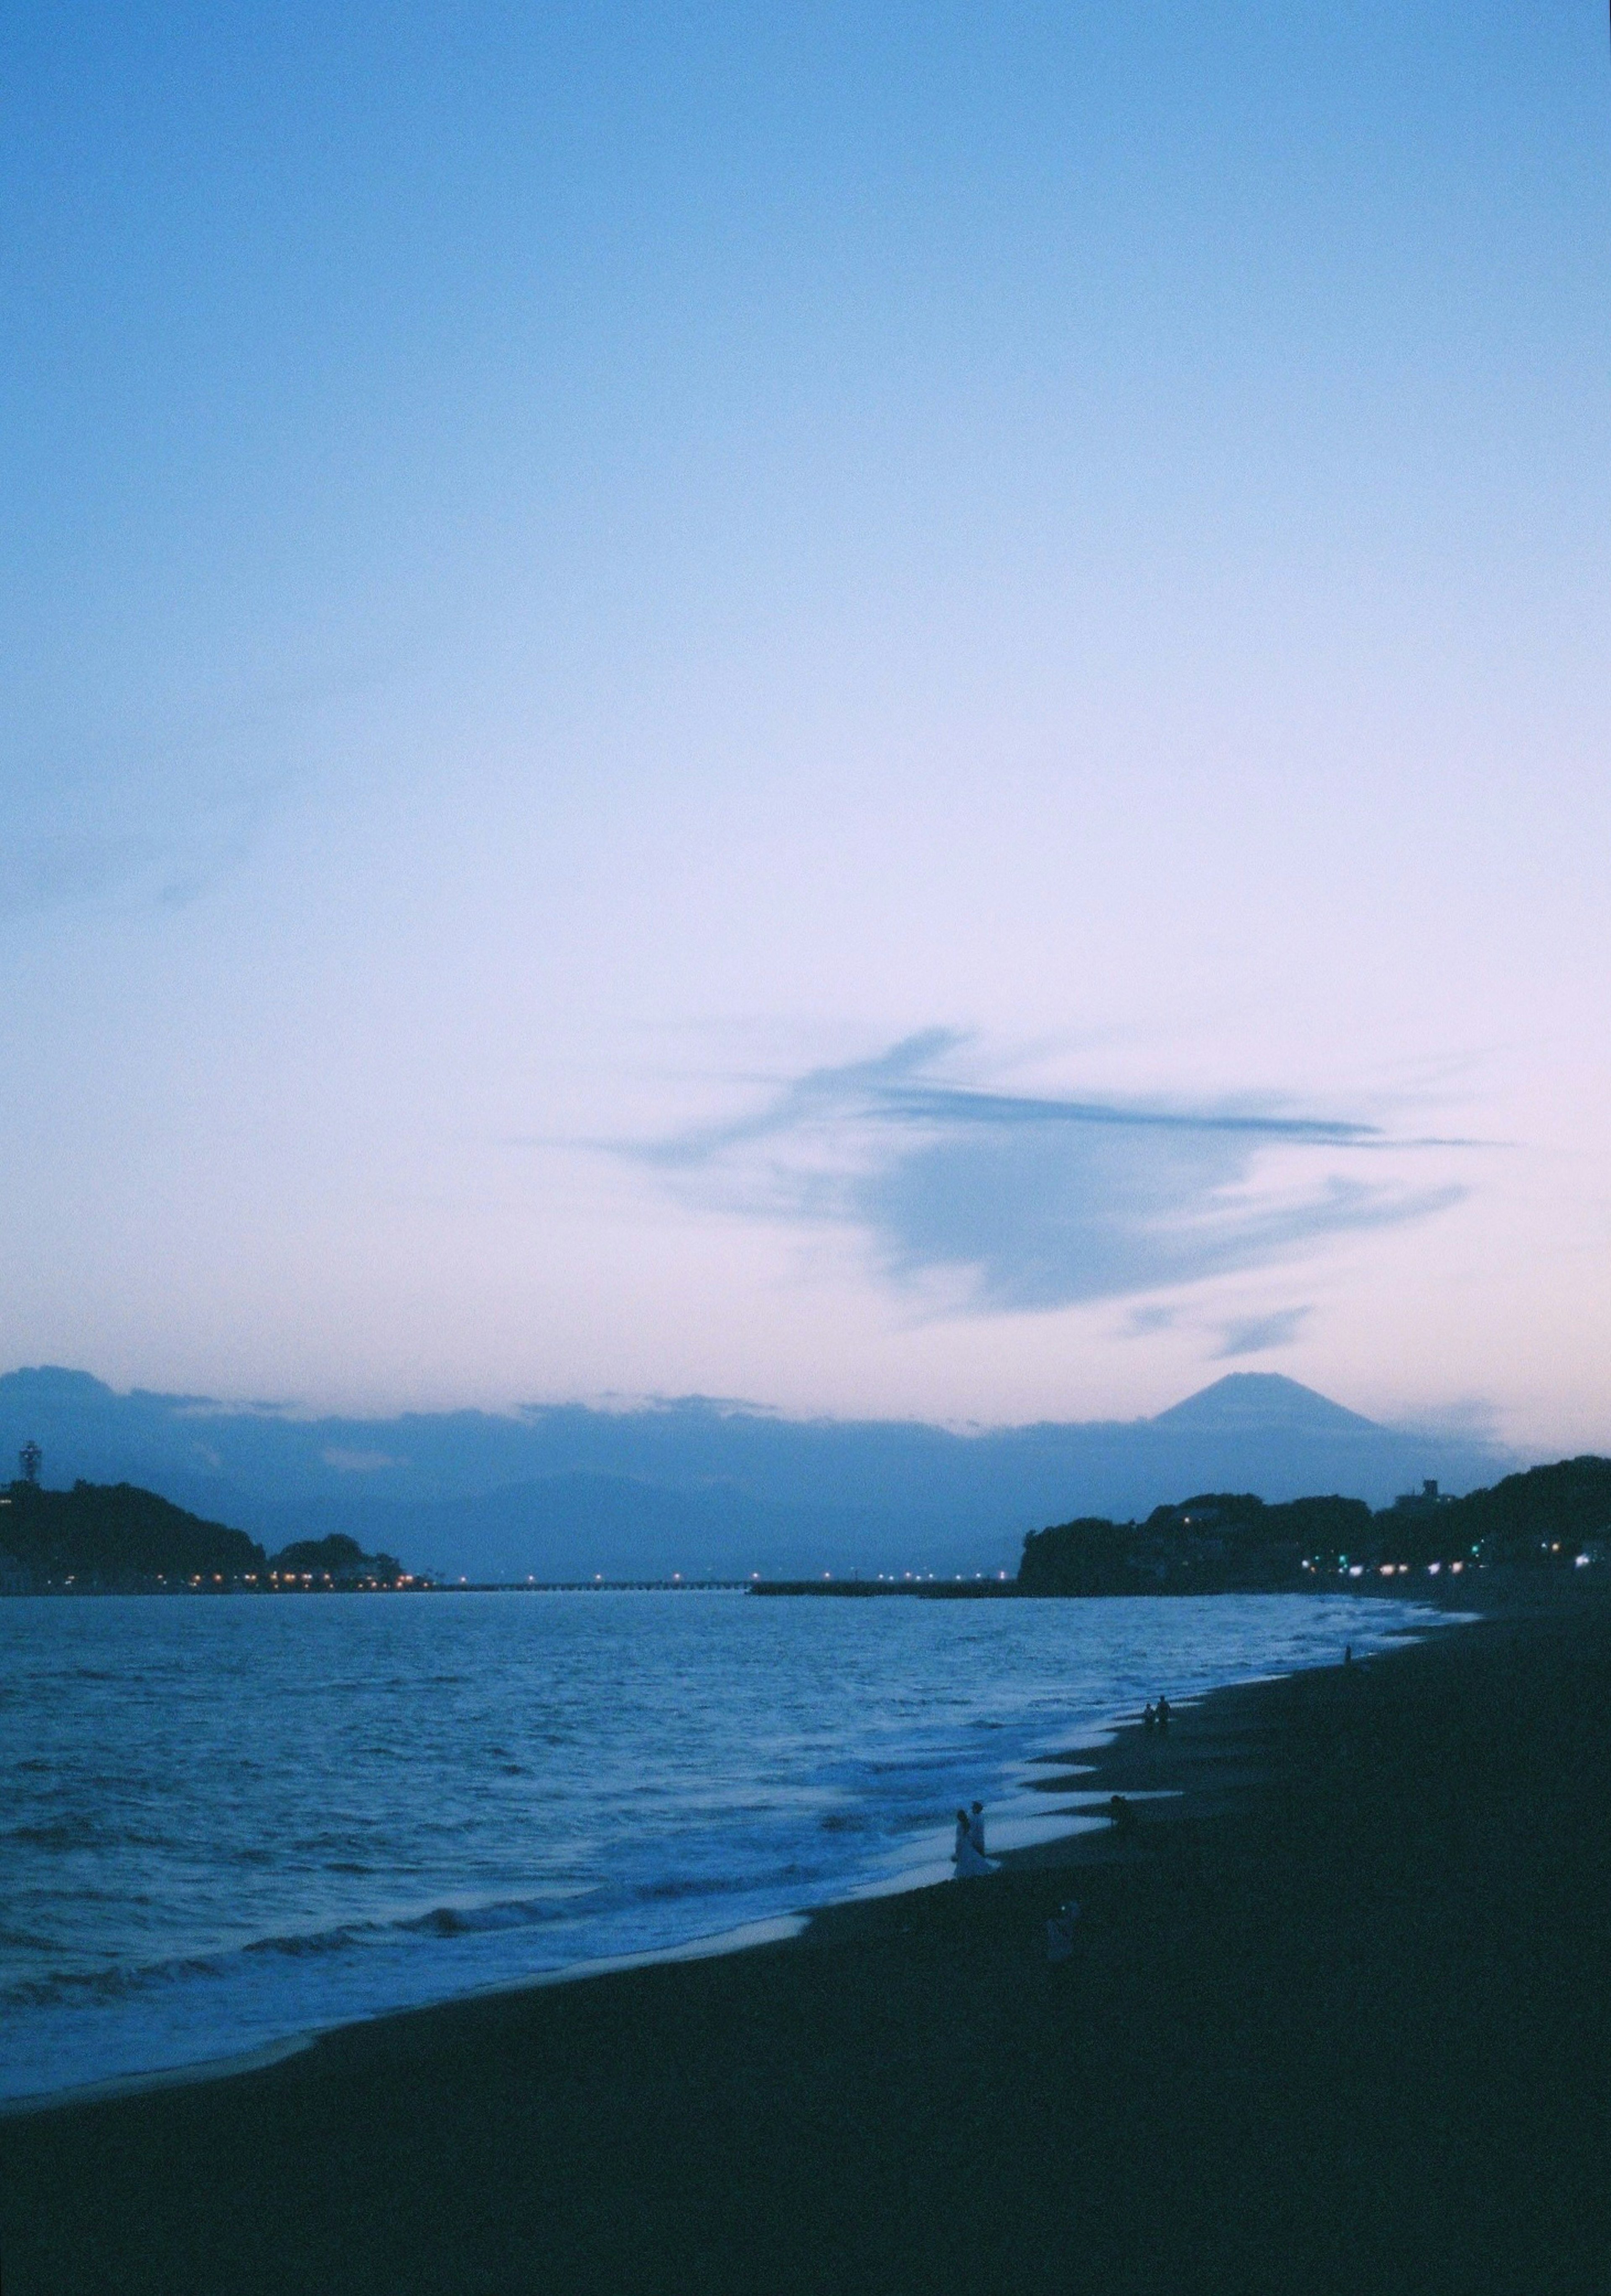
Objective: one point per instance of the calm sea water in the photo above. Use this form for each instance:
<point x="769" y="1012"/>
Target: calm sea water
<point x="226" y="1822"/>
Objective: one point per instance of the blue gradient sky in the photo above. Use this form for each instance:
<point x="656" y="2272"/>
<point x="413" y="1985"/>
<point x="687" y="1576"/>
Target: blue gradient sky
<point x="895" y="709"/>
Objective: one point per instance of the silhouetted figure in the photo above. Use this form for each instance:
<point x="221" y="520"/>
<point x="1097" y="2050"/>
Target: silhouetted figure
<point x="1163" y="1714"/>
<point x="1347" y="1654"/>
<point x="975" y="1827"/>
<point x="1121" y="1815"/>
<point x="1060" y="1931"/>
<point x="971" y="1862"/>
<point x="1148" y="1716"/>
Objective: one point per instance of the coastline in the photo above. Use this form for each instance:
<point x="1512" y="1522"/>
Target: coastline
<point x="1041" y="1793"/>
<point x="1336" y="1845"/>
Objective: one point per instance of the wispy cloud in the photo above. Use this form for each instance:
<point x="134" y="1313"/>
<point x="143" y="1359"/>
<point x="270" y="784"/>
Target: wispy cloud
<point x="1021" y="1203"/>
<point x="160" y="816"/>
<point x="1254" y="1335"/>
<point x="164" y="864"/>
<point x="1154" y="1317"/>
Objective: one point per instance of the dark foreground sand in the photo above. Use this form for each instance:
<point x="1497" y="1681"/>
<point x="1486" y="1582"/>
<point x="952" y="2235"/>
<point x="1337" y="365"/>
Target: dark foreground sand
<point x="1342" y="2023"/>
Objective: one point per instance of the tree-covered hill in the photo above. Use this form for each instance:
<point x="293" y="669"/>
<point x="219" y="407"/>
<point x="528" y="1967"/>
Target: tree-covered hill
<point x="117" y="1535"/>
<point x="1206" y="1545"/>
<point x="1569" y="1503"/>
<point x="1224" y="1540"/>
<point x="336" y="1561"/>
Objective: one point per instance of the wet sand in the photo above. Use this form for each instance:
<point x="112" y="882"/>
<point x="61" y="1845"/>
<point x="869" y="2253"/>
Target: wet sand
<point x="1338" y="2017"/>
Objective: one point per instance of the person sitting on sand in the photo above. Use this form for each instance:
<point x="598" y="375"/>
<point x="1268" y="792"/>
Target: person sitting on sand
<point x="1120" y="1813"/>
<point x="969" y="1863"/>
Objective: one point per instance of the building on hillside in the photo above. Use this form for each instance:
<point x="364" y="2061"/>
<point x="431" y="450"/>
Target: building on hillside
<point x="1427" y="1500"/>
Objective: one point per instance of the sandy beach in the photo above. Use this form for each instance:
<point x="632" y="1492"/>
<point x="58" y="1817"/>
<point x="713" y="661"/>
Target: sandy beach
<point x="1337" y="2018"/>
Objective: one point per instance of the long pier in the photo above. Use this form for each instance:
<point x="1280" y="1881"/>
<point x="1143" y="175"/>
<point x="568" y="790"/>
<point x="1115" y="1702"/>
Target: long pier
<point x="675" y="1585"/>
<point x="931" y="1590"/>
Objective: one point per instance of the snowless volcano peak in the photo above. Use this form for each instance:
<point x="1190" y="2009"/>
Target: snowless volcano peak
<point x="1246" y="1400"/>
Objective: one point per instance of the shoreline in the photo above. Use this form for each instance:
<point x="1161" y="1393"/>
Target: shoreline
<point x="1081" y="1775"/>
<point x="1335" y="2019"/>
<point x="204" y="2072"/>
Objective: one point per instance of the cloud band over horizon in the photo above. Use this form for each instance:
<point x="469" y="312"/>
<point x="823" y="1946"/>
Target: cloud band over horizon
<point x="995" y="1202"/>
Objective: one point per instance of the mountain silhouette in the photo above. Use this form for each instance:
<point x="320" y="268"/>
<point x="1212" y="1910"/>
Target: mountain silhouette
<point x="708" y="1489"/>
<point x="1246" y="1400"/>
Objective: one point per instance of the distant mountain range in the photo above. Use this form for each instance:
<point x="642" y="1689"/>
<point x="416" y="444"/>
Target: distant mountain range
<point x="564" y="1491"/>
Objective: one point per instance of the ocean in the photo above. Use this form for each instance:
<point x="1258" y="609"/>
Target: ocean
<point x="228" y="1822"/>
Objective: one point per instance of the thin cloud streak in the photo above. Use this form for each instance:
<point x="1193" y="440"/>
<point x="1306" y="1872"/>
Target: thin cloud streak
<point x="1256" y="1335"/>
<point x="164" y="865"/>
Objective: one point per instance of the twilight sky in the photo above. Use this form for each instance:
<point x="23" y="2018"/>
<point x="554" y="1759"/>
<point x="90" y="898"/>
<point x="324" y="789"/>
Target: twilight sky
<point x="898" y="710"/>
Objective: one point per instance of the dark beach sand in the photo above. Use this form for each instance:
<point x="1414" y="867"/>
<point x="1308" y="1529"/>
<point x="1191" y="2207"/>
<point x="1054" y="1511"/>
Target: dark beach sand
<point x="1342" y="2020"/>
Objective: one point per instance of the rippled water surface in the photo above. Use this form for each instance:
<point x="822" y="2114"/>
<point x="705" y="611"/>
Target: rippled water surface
<point x="225" y="1822"/>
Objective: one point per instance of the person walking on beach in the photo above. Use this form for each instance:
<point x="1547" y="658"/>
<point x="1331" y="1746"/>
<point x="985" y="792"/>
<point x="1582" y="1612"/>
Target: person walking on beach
<point x="1149" y="1716"/>
<point x="975" y="1827"/>
<point x="1163" y="1714"/>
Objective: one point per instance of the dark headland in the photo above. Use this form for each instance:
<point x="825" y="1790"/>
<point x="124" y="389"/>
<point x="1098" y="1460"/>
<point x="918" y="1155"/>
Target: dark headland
<point x="1341" y="2020"/>
<point x="119" y="1538"/>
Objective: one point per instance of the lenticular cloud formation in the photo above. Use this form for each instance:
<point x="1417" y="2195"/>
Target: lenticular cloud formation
<point x="1010" y="1202"/>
